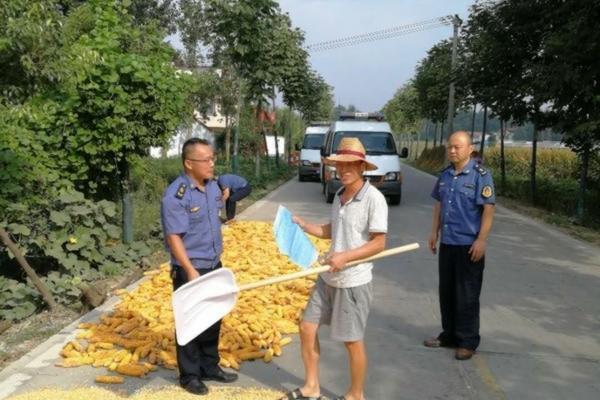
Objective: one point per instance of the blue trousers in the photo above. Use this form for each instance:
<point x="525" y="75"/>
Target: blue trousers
<point x="460" y="287"/>
<point x="199" y="357"/>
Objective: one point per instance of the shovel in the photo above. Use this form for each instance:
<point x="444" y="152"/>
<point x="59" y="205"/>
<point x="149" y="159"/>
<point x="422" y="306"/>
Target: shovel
<point x="200" y="303"/>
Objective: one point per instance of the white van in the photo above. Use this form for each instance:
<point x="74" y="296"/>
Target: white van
<point x="310" y="152"/>
<point x="378" y="140"/>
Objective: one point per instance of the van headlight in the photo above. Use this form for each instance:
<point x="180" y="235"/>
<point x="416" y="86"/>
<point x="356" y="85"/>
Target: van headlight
<point x="392" y="176"/>
<point x="306" y="163"/>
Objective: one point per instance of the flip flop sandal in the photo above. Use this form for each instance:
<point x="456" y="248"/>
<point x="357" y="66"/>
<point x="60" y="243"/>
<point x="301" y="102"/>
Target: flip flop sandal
<point x="296" y="394"/>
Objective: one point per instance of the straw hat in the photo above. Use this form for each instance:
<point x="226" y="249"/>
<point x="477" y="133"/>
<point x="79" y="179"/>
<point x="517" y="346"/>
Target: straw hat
<point x="350" y="149"/>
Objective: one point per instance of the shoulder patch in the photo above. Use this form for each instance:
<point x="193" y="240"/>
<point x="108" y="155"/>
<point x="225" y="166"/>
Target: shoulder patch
<point x="486" y="192"/>
<point x="180" y="191"/>
<point x="480" y="169"/>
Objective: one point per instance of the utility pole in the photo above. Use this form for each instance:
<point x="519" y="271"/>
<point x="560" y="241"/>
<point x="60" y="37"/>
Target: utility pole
<point x="456" y="22"/>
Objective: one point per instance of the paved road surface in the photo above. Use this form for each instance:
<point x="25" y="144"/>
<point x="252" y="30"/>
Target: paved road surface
<point x="540" y="317"/>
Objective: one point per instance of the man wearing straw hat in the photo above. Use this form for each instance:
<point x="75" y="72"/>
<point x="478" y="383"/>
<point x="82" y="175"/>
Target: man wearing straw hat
<point x="342" y="296"/>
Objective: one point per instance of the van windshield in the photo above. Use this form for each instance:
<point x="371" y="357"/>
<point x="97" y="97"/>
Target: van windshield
<point x="312" y="141"/>
<point x="375" y="142"/>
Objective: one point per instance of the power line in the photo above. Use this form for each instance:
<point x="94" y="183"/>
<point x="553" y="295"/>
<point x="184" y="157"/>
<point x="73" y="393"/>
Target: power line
<point x="387" y="33"/>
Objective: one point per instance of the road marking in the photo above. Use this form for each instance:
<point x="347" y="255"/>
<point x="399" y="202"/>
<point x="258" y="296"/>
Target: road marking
<point x="487" y="377"/>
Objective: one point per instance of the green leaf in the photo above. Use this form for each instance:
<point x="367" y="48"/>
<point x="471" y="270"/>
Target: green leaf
<point x="68" y="197"/>
<point x="60" y="218"/>
<point x="18" y="229"/>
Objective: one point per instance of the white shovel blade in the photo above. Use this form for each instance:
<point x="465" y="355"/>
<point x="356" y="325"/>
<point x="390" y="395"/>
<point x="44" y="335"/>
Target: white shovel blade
<point x="200" y="303"/>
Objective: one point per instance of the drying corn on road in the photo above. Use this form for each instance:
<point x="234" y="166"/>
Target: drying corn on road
<point x="540" y="324"/>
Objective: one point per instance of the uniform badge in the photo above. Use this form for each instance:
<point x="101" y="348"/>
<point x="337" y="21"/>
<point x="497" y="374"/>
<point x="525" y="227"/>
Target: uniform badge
<point x="194" y="209"/>
<point x="181" y="191"/>
<point x="486" y="192"/>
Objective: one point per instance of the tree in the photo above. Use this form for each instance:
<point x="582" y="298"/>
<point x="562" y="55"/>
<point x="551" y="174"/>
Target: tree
<point x="119" y="96"/>
<point x="431" y="81"/>
<point x="511" y="85"/>
<point x="29" y="38"/>
<point x="571" y="68"/>
<point x="402" y="111"/>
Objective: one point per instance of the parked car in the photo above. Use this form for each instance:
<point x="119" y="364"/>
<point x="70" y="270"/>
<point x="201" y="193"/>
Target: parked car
<point x="310" y="152"/>
<point x="378" y="140"/>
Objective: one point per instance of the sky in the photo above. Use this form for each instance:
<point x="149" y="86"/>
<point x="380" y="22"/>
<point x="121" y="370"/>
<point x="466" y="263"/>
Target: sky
<point x="367" y="75"/>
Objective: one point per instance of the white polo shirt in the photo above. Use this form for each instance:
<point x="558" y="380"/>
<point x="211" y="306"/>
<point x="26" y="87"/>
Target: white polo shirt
<point x="351" y="223"/>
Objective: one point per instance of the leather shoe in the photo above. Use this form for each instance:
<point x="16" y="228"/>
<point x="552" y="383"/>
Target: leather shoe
<point x="195" y="386"/>
<point x="435" y="342"/>
<point x="220" y="376"/>
<point x="463" y="354"/>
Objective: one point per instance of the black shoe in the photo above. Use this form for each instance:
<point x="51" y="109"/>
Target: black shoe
<point x="220" y="376"/>
<point x="195" y="386"/>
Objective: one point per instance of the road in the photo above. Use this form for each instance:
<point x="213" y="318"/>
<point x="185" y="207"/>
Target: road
<point x="540" y="322"/>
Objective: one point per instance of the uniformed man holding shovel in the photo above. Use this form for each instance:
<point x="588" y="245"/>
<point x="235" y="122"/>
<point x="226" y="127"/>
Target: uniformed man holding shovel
<point x="192" y="232"/>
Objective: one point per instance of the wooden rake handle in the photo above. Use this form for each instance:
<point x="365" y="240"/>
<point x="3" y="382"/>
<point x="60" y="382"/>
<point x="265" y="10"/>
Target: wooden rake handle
<point x="323" y="268"/>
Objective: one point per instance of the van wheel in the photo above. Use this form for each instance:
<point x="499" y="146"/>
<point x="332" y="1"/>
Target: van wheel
<point x="328" y="196"/>
<point x="395" y="200"/>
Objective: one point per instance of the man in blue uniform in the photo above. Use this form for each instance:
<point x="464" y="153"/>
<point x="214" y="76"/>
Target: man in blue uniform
<point x="234" y="188"/>
<point x="463" y="214"/>
<point x="192" y="232"/>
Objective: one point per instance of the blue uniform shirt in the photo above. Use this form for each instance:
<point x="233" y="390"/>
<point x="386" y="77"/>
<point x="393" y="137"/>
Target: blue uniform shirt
<point x="232" y="182"/>
<point x="461" y="200"/>
<point x="193" y="214"/>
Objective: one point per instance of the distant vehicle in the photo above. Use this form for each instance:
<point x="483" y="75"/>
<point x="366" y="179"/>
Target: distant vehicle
<point x="310" y="152"/>
<point x="378" y="140"/>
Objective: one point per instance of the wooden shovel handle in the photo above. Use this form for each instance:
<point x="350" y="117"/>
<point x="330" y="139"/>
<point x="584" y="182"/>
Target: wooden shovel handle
<point x="323" y="268"/>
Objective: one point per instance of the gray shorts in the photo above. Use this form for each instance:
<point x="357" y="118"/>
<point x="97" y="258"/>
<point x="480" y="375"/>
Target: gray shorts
<point x="345" y="309"/>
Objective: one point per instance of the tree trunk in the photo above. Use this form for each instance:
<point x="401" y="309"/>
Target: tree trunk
<point x="435" y="136"/>
<point x="427" y="134"/>
<point x="442" y="134"/>
<point x="126" y="202"/>
<point x="473" y="120"/>
<point x="583" y="174"/>
<point x="46" y="295"/>
<point x="482" y="146"/>
<point x="236" y="132"/>
<point x="257" y="139"/>
<point x="275" y="134"/>
<point x="288" y="134"/>
<point x="502" y="159"/>
<point x="534" y="163"/>
<point x="227" y="138"/>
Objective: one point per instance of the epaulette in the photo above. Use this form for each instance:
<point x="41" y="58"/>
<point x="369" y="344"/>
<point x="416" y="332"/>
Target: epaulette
<point x="181" y="191"/>
<point x="480" y="169"/>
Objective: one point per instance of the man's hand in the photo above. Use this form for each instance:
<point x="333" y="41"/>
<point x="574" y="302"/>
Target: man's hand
<point x="477" y="250"/>
<point x="192" y="274"/>
<point x="336" y="261"/>
<point x="433" y="239"/>
<point x="297" y="220"/>
<point x="226" y="194"/>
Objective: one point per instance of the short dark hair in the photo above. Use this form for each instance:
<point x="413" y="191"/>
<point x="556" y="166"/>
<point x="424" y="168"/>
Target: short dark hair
<point x="189" y="144"/>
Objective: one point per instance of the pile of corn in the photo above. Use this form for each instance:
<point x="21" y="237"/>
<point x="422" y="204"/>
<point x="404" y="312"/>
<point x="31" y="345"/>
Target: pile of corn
<point x="139" y="334"/>
<point x="215" y="393"/>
